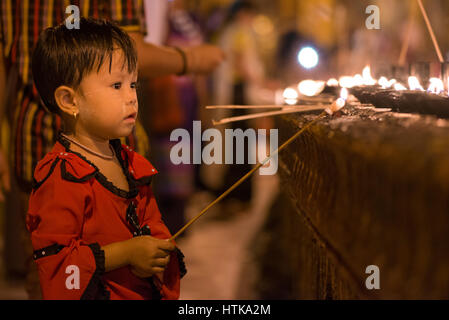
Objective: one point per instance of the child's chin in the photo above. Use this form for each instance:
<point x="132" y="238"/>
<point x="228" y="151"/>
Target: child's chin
<point x="123" y="133"/>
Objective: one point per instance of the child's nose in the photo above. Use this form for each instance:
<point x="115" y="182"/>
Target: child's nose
<point x="131" y="97"/>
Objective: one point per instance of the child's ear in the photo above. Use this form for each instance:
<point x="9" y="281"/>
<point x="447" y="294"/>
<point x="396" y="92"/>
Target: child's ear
<point x="65" y="99"/>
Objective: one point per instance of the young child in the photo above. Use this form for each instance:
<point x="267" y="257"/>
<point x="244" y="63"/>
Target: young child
<point x="95" y="225"/>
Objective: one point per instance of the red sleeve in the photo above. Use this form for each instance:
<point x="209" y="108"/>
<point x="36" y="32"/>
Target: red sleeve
<point x="68" y="267"/>
<point x="170" y="286"/>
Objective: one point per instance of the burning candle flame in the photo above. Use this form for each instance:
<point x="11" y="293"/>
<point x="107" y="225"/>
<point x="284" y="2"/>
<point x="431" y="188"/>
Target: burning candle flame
<point x="310" y="87"/>
<point x="358" y="80"/>
<point x="367" y="79"/>
<point x="290" y="96"/>
<point x="436" y="86"/>
<point x="413" y="84"/>
<point x="391" y="82"/>
<point x="346" y="81"/>
<point x="398" y="86"/>
<point x="332" y="82"/>
<point x="385" y="83"/>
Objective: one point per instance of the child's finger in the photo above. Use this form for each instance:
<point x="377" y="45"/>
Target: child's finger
<point x="157" y="269"/>
<point x="161" y="253"/>
<point x="171" y="241"/>
<point x="166" y="245"/>
<point x="161" y="262"/>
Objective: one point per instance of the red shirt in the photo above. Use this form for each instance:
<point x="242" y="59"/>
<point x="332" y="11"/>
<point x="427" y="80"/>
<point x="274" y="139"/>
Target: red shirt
<point x="74" y="210"/>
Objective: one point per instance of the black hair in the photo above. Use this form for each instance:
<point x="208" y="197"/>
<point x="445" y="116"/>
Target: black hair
<point x="64" y="56"/>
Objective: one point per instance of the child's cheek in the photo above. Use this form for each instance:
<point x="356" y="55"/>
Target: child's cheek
<point x="88" y="112"/>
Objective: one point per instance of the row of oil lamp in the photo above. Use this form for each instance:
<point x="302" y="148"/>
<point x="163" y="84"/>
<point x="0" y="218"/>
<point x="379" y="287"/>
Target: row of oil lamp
<point x="382" y="93"/>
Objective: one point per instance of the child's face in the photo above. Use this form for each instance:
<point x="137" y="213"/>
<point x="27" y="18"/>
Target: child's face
<point x="107" y="101"/>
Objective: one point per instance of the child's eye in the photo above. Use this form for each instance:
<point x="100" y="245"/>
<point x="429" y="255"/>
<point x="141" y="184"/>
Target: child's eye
<point x="117" y="85"/>
<point x="134" y="85"/>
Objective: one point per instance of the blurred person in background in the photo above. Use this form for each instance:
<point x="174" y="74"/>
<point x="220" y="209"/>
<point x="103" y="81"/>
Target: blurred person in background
<point x="173" y="103"/>
<point x="241" y="80"/>
<point x="34" y="129"/>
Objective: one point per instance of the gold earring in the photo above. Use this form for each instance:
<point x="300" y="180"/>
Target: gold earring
<point x="74" y="115"/>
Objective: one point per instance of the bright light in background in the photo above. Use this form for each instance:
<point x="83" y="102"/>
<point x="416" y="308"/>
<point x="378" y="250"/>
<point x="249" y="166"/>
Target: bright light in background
<point x="290" y="96"/>
<point x="308" y="57"/>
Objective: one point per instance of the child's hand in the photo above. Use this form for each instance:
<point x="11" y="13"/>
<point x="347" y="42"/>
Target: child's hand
<point x="143" y="274"/>
<point x="149" y="255"/>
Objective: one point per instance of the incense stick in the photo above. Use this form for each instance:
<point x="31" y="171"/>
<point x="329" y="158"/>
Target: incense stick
<point x="267" y="114"/>
<point x="432" y="35"/>
<point x="274" y="106"/>
<point x="246" y="176"/>
<point x="270" y="106"/>
<point x="406" y="43"/>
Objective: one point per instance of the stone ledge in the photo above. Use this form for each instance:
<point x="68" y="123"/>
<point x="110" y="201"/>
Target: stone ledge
<point x="374" y="189"/>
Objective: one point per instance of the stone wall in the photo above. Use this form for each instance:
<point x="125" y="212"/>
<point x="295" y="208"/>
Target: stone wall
<point x="361" y="188"/>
